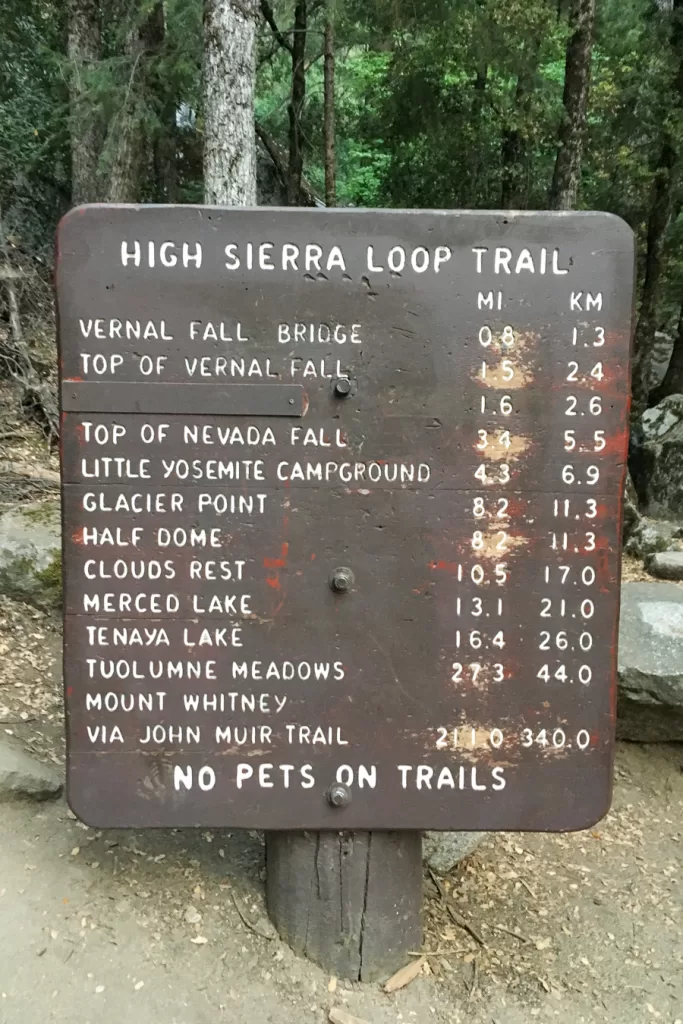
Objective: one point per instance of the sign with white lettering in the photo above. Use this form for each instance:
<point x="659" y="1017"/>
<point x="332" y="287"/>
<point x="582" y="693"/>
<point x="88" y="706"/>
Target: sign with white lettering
<point x="342" y="507"/>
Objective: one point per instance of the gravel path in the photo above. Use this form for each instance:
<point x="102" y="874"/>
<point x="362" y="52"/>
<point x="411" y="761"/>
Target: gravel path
<point x="100" y="927"/>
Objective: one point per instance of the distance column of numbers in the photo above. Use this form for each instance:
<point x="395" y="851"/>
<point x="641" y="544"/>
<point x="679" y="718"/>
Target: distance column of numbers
<point x="566" y="639"/>
<point x="479" y="639"/>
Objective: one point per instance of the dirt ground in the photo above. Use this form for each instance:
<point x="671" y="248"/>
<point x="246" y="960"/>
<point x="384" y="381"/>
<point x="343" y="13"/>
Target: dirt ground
<point x="99" y="927"/>
<point x="103" y="927"/>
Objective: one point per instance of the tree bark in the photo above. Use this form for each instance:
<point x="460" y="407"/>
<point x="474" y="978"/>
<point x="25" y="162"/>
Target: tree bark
<point x="130" y="139"/>
<point x="84" y="50"/>
<point x="672" y="383"/>
<point x="567" y="174"/>
<point x="229" y="130"/>
<point x="349" y="901"/>
<point x="166" y="161"/>
<point x="665" y="176"/>
<point x="515" y="138"/>
<point x="296" y="104"/>
<point x="329" y="126"/>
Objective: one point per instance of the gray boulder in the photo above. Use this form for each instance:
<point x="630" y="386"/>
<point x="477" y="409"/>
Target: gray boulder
<point x="31" y="555"/>
<point x="661" y="458"/>
<point x="651" y="663"/>
<point x="666" y="565"/>
<point x="22" y="777"/>
<point x="442" y="850"/>
<point x="661" y="357"/>
<point x="651" y="535"/>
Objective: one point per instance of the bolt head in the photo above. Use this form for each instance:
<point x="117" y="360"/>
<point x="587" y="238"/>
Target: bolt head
<point x="341" y="580"/>
<point x="342" y="387"/>
<point x="339" y="795"/>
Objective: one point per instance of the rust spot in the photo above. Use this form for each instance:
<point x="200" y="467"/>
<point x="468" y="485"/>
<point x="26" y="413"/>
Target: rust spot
<point x="504" y="447"/>
<point x="505" y="365"/>
<point x="278" y="563"/>
<point x="496" y="544"/>
<point x="273" y="582"/>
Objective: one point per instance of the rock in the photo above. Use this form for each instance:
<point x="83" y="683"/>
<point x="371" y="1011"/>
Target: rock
<point x="652" y="535"/>
<point x="651" y="663"/>
<point x="442" y="850"/>
<point x="667" y="565"/>
<point x="31" y="555"/>
<point x="192" y="915"/>
<point x="661" y="357"/>
<point x="660" y="459"/>
<point x="23" y="777"/>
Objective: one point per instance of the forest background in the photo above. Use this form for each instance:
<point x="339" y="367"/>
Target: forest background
<point x="474" y="104"/>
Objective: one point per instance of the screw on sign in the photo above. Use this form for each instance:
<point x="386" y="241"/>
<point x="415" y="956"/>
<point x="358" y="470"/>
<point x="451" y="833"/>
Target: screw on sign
<point x="342" y="532"/>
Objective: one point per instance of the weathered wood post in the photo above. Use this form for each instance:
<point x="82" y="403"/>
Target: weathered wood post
<point x="342" y="503"/>
<point x="349" y="901"/>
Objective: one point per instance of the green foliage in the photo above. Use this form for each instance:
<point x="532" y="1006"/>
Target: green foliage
<point x="427" y="93"/>
<point x="34" y="179"/>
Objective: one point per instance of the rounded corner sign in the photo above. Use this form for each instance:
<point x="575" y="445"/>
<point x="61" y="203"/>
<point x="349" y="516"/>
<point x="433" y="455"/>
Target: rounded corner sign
<point x="342" y="505"/>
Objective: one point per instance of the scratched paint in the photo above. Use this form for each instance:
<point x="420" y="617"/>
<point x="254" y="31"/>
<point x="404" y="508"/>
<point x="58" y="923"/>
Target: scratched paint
<point x="249" y="416"/>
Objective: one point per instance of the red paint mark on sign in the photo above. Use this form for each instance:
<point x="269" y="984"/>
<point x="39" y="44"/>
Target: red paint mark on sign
<point x="278" y="563"/>
<point x="444" y="566"/>
<point x="273" y="582"/>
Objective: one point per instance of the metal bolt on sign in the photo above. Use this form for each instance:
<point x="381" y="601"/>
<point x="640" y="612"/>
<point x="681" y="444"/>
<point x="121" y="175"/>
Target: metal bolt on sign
<point x="339" y="795"/>
<point x="342" y="579"/>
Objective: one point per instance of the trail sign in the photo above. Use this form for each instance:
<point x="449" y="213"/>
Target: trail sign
<point x="342" y="506"/>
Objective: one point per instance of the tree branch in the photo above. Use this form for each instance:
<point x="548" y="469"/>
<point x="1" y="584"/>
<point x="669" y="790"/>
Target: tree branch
<point x="313" y="60"/>
<point x="267" y="12"/>
<point x="271" y="149"/>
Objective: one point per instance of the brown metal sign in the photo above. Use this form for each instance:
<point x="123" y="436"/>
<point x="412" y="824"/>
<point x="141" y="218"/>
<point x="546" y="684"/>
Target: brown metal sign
<point x="342" y="515"/>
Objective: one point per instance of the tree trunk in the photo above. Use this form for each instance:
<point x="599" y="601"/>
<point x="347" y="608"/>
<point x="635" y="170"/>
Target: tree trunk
<point x="130" y="138"/>
<point x="477" y="186"/>
<point x="515" y="138"/>
<point x="665" y="176"/>
<point x="567" y="175"/>
<point x="658" y="222"/>
<point x="296" y="104"/>
<point x="330" y="156"/>
<point x="84" y="49"/>
<point x="229" y="131"/>
<point x="673" y="378"/>
<point x="480" y="83"/>
<point x="166" y="161"/>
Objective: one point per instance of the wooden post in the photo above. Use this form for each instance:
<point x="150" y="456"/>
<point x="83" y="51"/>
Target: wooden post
<point x="349" y="901"/>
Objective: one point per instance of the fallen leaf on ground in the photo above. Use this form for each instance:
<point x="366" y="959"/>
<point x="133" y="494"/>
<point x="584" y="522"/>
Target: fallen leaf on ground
<point x="339" y="1016"/>
<point x="405" y="975"/>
